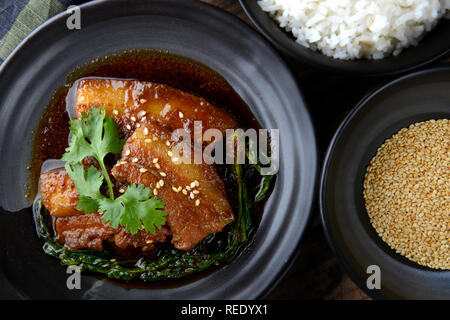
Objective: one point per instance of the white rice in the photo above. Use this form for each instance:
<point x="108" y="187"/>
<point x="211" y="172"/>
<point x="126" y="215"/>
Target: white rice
<point x="354" y="29"/>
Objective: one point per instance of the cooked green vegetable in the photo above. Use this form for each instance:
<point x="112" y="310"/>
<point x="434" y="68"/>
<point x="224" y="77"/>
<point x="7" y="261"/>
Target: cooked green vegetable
<point x="170" y="263"/>
<point x="266" y="180"/>
<point x="96" y="135"/>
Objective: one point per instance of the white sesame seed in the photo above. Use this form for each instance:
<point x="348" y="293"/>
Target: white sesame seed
<point x="149" y="241"/>
<point x="192" y="184"/>
<point x="145" y="131"/>
<point x="163" y="174"/>
<point x="128" y="127"/>
<point x="142" y="101"/>
<point x="180" y="114"/>
<point x="135" y="160"/>
<point x="127" y="153"/>
<point x="115" y="112"/>
<point x="148" y="140"/>
<point x="169" y="153"/>
<point x="122" y="190"/>
<point x="133" y="118"/>
<point x="142" y="170"/>
<point x="197" y="202"/>
<point x="155" y="160"/>
<point x="157" y="166"/>
<point x="161" y="183"/>
<point x="155" y="192"/>
<point x="191" y="195"/>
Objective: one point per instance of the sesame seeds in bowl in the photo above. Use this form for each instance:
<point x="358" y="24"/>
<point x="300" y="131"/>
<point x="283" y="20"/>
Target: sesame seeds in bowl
<point x="407" y="193"/>
<point x="384" y="192"/>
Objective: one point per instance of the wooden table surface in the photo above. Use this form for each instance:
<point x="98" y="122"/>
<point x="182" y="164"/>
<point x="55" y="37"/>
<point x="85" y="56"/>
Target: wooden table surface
<point x="316" y="273"/>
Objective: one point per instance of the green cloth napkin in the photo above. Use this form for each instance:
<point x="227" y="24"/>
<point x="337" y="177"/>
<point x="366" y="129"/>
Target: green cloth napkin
<point x="20" y="17"/>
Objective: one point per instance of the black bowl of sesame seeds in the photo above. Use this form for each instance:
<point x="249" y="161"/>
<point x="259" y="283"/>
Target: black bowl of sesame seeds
<point x="382" y="190"/>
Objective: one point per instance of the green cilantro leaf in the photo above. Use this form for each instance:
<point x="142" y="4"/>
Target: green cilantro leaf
<point x="93" y="135"/>
<point x="96" y="135"/>
<point x="89" y="181"/>
<point x="88" y="185"/>
<point x="134" y="209"/>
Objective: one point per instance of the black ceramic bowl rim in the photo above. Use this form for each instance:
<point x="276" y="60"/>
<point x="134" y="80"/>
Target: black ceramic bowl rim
<point x="324" y="177"/>
<point x="284" y="41"/>
<point x="214" y="11"/>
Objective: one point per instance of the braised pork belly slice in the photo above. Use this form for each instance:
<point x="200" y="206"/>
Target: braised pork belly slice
<point x="59" y="194"/>
<point x="83" y="231"/>
<point x="78" y="230"/>
<point x="131" y="101"/>
<point x="194" y="194"/>
<point x="89" y="231"/>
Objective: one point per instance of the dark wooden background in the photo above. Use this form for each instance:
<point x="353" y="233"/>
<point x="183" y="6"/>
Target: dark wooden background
<point x="316" y="273"/>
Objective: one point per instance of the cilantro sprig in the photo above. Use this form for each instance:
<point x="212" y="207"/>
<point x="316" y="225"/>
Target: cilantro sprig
<point x="133" y="208"/>
<point x="96" y="135"/>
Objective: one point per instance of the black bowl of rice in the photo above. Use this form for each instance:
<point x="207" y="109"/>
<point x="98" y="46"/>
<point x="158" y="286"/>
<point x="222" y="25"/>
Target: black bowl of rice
<point x="356" y="36"/>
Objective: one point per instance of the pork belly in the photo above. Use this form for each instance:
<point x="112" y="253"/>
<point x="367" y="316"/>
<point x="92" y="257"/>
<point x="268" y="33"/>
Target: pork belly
<point x="59" y="194"/>
<point x="89" y="231"/>
<point x="83" y="231"/>
<point x="125" y="100"/>
<point x="78" y="230"/>
<point x="194" y="194"/>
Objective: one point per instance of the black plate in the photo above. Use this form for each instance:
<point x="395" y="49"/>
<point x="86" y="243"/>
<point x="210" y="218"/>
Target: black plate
<point x="417" y="97"/>
<point x="434" y="45"/>
<point x="39" y="65"/>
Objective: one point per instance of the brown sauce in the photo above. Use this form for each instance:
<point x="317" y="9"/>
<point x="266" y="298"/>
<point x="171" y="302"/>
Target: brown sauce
<point x="51" y="137"/>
